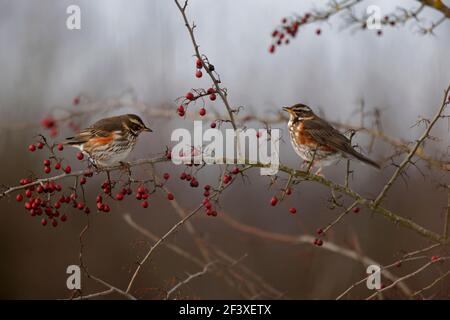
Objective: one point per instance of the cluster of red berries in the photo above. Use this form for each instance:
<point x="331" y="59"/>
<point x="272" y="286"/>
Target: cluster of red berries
<point x="318" y="242"/>
<point x="274" y="201"/>
<point x="199" y="66"/>
<point x="101" y="206"/>
<point x="288" y="29"/>
<point x="47" y="162"/>
<point x="193" y="182"/>
<point x="142" y="194"/>
<point x="39" y="201"/>
<point x="50" y="124"/>
<point x="193" y="96"/>
<point x="209" y="210"/>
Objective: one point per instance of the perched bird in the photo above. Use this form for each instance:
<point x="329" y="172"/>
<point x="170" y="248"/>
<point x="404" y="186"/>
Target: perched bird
<point x="314" y="139"/>
<point x="109" y="141"/>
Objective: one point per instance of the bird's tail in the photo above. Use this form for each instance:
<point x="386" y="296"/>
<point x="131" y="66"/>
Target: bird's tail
<point x="364" y="159"/>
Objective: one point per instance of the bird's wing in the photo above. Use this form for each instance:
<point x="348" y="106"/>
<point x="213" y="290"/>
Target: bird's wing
<point x="91" y="135"/>
<point x="325" y="134"/>
<point x="100" y="132"/>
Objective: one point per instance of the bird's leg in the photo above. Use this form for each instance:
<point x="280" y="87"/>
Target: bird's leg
<point x="109" y="182"/>
<point x="126" y="166"/>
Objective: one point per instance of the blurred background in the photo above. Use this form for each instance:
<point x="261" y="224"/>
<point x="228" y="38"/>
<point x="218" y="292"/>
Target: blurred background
<point x="143" y="47"/>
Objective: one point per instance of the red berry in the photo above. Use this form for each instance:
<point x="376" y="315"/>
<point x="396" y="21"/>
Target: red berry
<point x="87" y="210"/>
<point x="48" y="122"/>
<point x="199" y="74"/>
<point x="80" y="205"/>
<point x="183" y="176"/>
<point x="319" y="242"/>
<point x="207" y="187"/>
<point x="144" y="204"/>
<point x="435" y="258"/>
<point x="82" y="180"/>
<point x="99" y="199"/>
<point x="28" y="193"/>
<point x="19" y="197"/>
<point x="318" y="31"/>
<point x="213" y="125"/>
<point x="211" y="90"/>
<point x="47" y="169"/>
<point x="272" y="48"/>
<point x="166" y="176"/>
<point x="106" y="208"/>
<point x="40" y="145"/>
<point x="212" y="96"/>
<point x="68" y="169"/>
<point x="355" y="210"/>
<point x="180" y="109"/>
<point x="119" y="196"/>
<point x="273" y="201"/>
<point x="141" y="189"/>
<point x="80" y="155"/>
<point x="44" y="222"/>
<point x="63" y="218"/>
<point x="46" y="162"/>
<point x="226" y="178"/>
<point x="288" y="191"/>
<point x="194" y="184"/>
<point x="319" y="231"/>
<point x="57" y="205"/>
<point x="60" y="147"/>
<point x="293" y="210"/>
<point x="199" y="64"/>
<point x="235" y="170"/>
<point x="53" y="132"/>
<point x="32" y="148"/>
<point x="58" y="165"/>
<point x="189" y="96"/>
<point x="202" y="112"/>
<point x="54" y="222"/>
<point x="170" y="196"/>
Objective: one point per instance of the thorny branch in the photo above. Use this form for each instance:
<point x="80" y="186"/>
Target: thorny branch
<point x="417" y="150"/>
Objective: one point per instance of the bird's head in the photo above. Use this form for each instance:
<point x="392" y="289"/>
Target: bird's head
<point x="135" y="124"/>
<point x="299" y="111"/>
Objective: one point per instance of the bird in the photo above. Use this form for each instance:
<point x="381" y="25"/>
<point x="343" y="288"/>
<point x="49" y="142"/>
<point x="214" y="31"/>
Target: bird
<point x="316" y="141"/>
<point x="110" y="140"/>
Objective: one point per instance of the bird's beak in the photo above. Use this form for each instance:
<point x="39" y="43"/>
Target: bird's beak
<point x="147" y="129"/>
<point x="287" y="109"/>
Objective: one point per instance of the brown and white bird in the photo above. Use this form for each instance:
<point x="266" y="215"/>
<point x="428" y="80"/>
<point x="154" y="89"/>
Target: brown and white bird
<point x="109" y="141"/>
<point x="314" y="139"/>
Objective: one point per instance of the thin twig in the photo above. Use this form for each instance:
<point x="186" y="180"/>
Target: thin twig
<point x="189" y="278"/>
